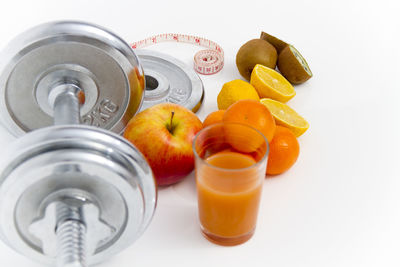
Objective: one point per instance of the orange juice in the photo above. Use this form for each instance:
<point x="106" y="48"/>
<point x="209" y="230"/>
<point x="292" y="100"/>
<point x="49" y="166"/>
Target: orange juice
<point x="229" y="192"/>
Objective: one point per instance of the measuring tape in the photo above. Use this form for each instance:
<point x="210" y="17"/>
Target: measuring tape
<point x="206" y="62"/>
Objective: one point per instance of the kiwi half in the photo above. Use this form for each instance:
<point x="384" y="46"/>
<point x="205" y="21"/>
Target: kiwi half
<point x="293" y="66"/>
<point x="277" y="43"/>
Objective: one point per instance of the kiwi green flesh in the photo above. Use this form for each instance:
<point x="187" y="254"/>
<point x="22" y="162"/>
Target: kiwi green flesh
<point x="293" y="67"/>
<point x="301" y="59"/>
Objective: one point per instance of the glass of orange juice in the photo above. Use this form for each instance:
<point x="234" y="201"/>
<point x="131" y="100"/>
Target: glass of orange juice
<point x="230" y="165"/>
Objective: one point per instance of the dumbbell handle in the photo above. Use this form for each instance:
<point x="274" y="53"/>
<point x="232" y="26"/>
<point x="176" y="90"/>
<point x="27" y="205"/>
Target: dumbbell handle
<point x="71" y="230"/>
<point x="66" y="103"/>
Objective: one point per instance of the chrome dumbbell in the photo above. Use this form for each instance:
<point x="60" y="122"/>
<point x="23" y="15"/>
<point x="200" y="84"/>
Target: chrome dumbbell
<point x="70" y="194"/>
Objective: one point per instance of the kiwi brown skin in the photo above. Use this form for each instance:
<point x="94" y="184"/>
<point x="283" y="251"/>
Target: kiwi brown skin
<point x="277" y="43"/>
<point x="291" y="68"/>
<point x="255" y="51"/>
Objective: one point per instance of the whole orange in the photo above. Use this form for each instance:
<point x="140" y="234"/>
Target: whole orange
<point x="283" y="151"/>
<point x="213" y="117"/>
<point x="252" y="113"/>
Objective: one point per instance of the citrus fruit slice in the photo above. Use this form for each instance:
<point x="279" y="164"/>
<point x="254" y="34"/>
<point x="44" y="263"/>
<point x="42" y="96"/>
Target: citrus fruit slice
<point x="271" y="84"/>
<point x="286" y="116"/>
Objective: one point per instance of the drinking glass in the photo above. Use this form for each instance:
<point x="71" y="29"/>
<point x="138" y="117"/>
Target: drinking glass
<point x="230" y="165"/>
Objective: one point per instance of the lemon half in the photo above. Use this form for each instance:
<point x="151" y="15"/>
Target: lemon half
<point x="271" y="84"/>
<point x="286" y="116"/>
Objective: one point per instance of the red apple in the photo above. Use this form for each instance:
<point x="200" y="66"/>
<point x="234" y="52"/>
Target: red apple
<point x="164" y="134"/>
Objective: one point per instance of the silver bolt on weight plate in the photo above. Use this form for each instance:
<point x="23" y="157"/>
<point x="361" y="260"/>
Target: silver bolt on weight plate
<point x="169" y="80"/>
<point x="72" y="195"/>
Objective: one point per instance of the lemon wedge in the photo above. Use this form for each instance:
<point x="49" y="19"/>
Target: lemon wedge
<point x="271" y="84"/>
<point x="286" y="116"/>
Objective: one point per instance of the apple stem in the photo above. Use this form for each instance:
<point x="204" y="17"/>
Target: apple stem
<point x="170" y="126"/>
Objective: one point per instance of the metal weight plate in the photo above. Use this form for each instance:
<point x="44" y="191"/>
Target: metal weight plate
<point x="169" y="80"/>
<point x="93" y="58"/>
<point x="93" y="163"/>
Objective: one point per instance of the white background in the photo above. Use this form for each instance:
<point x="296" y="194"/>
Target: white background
<point x="340" y="204"/>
